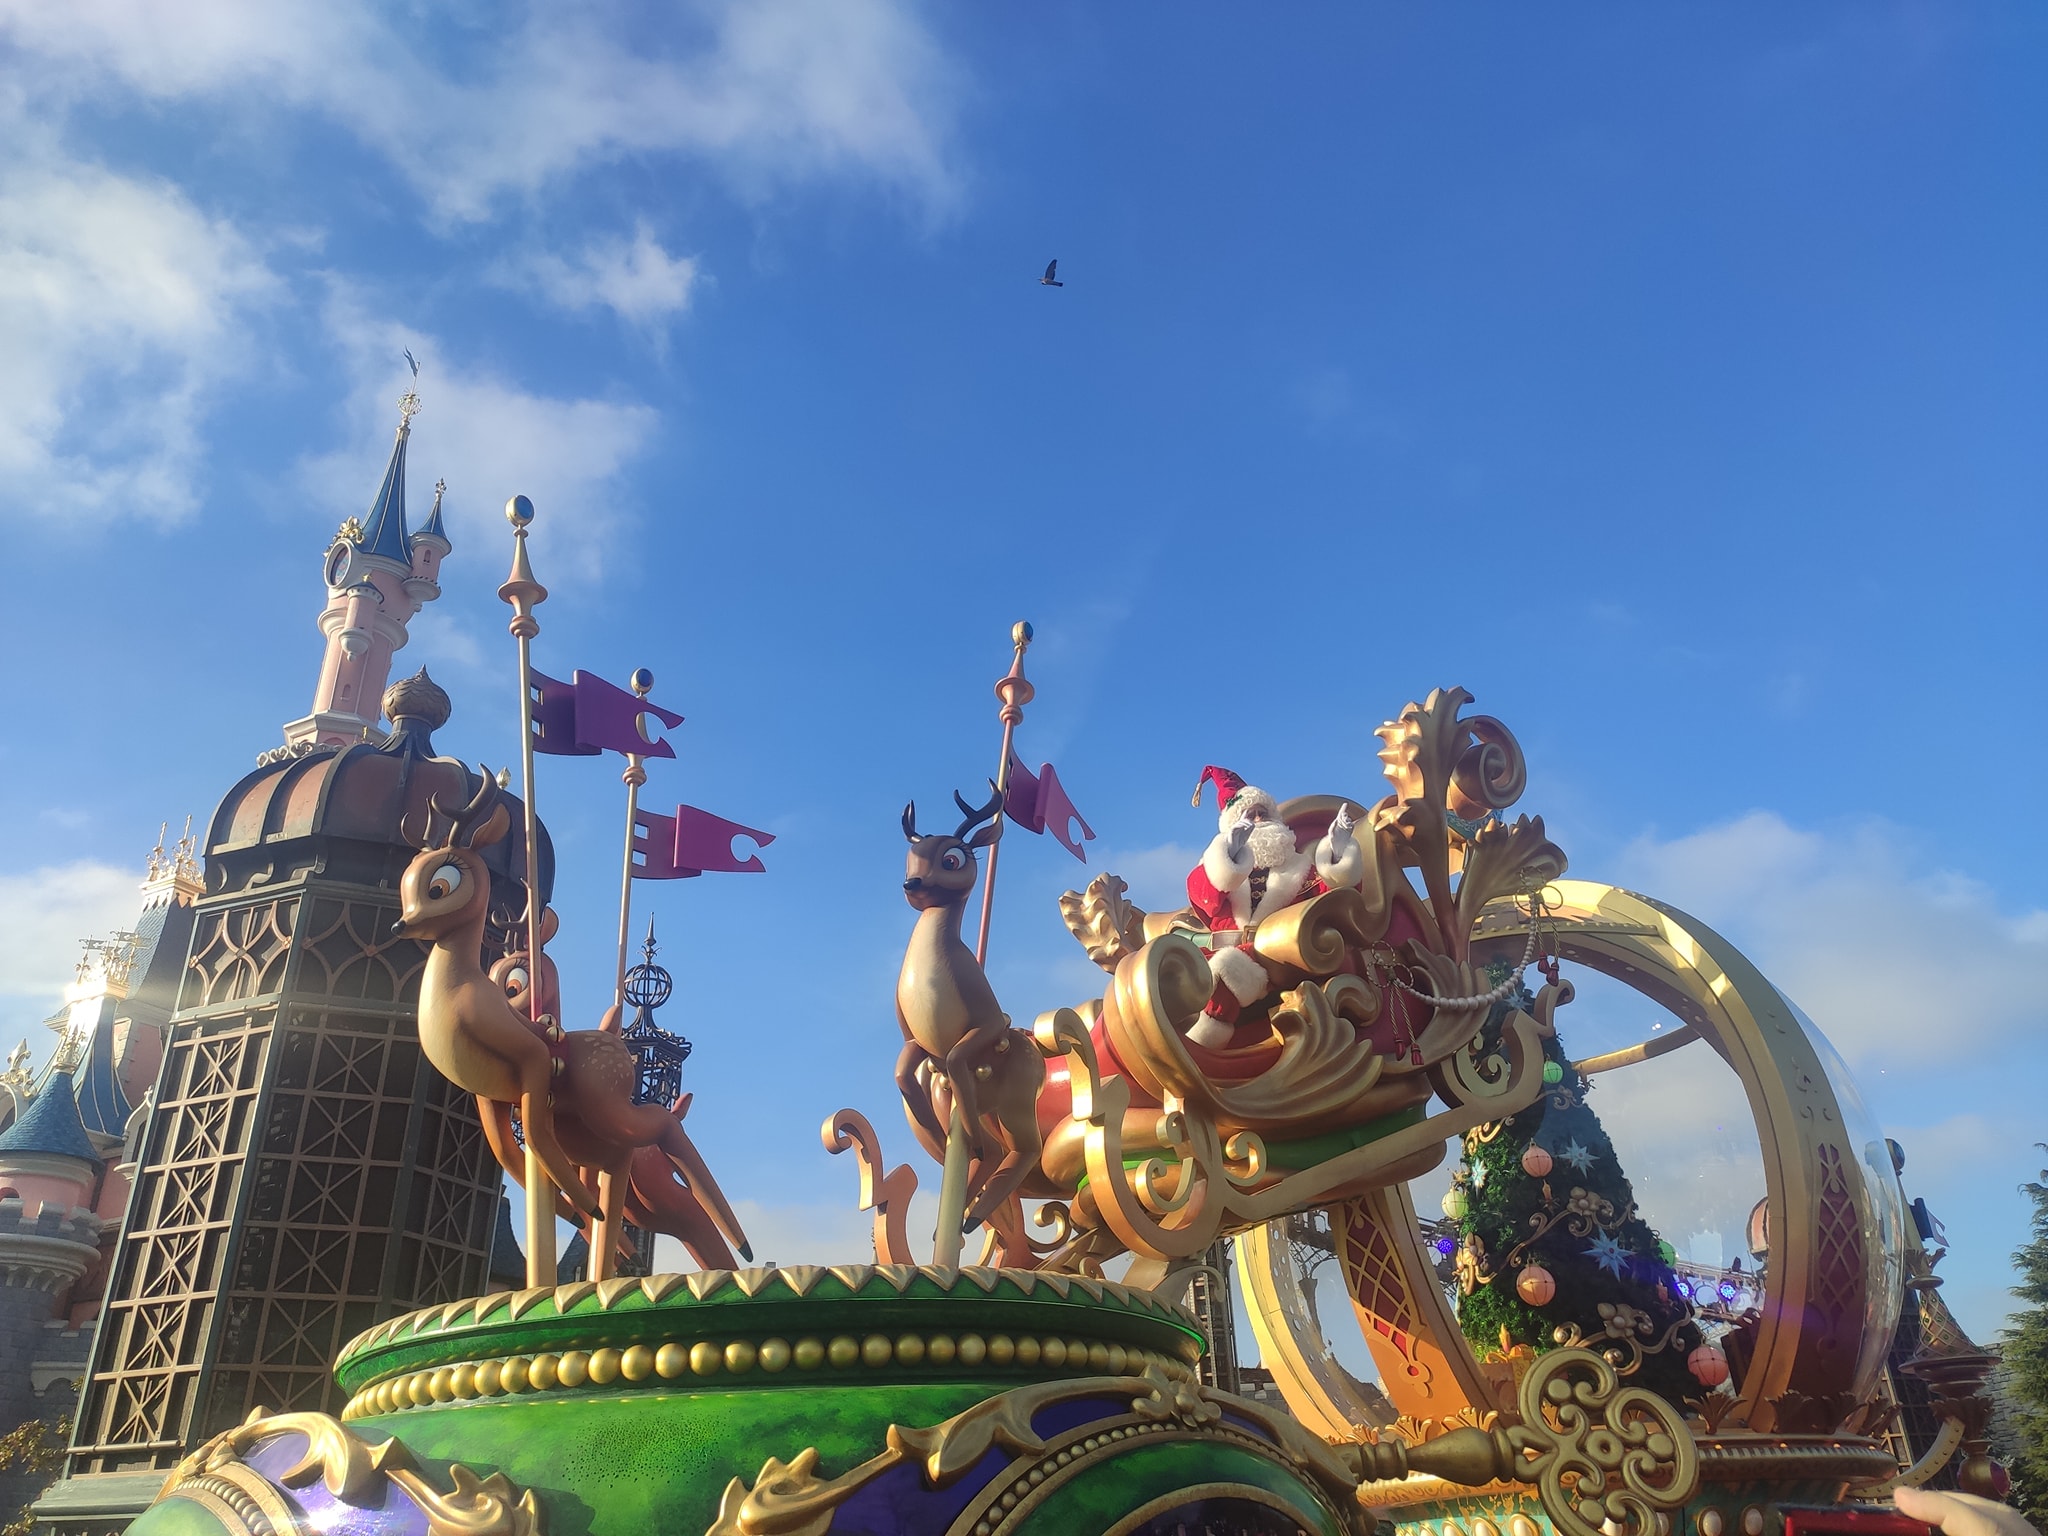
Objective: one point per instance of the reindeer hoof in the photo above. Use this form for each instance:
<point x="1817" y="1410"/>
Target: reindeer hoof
<point x="967" y="1227"/>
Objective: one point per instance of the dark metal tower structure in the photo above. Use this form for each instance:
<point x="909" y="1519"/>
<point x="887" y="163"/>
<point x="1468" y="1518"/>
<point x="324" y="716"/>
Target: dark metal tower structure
<point x="660" y="1054"/>
<point x="305" y="1172"/>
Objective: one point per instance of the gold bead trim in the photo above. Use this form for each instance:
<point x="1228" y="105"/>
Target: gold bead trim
<point x="795" y="1279"/>
<point x="569" y="1370"/>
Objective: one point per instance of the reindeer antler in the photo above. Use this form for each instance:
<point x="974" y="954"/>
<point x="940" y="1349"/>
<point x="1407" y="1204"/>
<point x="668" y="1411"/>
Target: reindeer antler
<point x="465" y="823"/>
<point x="910" y="821"/>
<point x="974" y="817"/>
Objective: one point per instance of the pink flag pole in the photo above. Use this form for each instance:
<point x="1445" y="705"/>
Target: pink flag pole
<point x="525" y="594"/>
<point x="634" y="776"/>
<point x="1015" y="691"/>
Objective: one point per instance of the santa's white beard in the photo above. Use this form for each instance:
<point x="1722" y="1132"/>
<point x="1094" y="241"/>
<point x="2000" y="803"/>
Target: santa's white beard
<point x="1271" y="843"/>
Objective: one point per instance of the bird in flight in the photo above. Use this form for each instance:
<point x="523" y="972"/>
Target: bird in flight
<point x="1049" y="280"/>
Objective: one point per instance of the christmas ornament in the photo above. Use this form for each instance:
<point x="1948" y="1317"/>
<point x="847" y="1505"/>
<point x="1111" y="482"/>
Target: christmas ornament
<point x="1535" y="1285"/>
<point x="1608" y="1253"/>
<point x="1577" y="1154"/>
<point x="1708" y="1365"/>
<point x="1553" y="1074"/>
<point x="1666" y="1252"/>
<point x="1456" y="1202"/>
<point x="1535" y="1161"/>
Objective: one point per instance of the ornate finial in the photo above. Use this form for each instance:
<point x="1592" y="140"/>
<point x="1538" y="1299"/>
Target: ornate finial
<point x="647" y="949"/>
<point x="408" y="407"/>
<point x="350" y="531"/>
<point x="159" y="861"/>
<point x="519" y="512"/>
<point x="418" y="706"/>
<point x="642" y="681"/>
<point x="1021" y="633"/>
<point x="440" y="490"/>
<point x="185" y="857"/>
<point x="17" y="1074"/>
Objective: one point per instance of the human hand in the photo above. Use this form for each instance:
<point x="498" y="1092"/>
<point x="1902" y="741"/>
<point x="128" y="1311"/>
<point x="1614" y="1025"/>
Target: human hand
<point x="1960" y="1514"/>
<point x="1240" y="834"/>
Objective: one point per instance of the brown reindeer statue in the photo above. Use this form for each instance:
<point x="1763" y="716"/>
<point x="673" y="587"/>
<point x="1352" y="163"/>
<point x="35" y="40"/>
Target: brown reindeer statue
<point x="574" y="1090"/>
<point x="958" y="1046"/>
<point x="668" y="1187"/>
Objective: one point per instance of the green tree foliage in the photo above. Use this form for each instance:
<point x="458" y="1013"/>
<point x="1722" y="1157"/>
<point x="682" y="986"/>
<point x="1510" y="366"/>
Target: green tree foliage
<point x="34" y="1447"/>
<point x="1595" y="1246"/>
<point x="2025" y="1373"/>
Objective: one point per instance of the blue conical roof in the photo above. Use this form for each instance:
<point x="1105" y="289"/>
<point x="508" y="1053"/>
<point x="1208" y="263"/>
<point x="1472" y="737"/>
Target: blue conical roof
<point x="103" y="1105"/>
<point x="384" y="528"/>
<point x="50" y="1124"/>
<point x="433" y="528"/>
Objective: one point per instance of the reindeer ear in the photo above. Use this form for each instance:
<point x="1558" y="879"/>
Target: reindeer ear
<point x="986" y="835"/>
<point x="493" y="829"/>
<point x="548" y="924"/>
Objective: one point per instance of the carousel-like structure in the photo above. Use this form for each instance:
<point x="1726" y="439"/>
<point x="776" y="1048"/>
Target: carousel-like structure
<point x="1358" y="985"/>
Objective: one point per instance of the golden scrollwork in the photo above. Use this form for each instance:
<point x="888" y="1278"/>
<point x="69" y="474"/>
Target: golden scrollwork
<point x="885" y="1191"/>
<point x="1604" y="1456"/>
<point x="354" y="1471"/>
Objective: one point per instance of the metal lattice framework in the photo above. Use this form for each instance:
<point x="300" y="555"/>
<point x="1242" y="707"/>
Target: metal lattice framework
<point x="305" y="1174"/>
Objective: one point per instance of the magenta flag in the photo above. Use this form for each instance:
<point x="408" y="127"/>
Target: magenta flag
<point x="689" y="843"/>
<point x="588" y="715"/>
<point x="554" y="718"/>
<point x="1038" y="802"/>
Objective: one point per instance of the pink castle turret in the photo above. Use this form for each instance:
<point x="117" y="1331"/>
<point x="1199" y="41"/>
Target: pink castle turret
<point x="378" y="576"/>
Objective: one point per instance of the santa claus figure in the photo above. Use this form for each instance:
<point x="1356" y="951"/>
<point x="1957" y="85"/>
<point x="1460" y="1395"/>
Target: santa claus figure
<point x="1251" y="870"/>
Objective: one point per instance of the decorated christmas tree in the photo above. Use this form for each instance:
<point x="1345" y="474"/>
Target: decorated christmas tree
<point x="1551" y="1250"/>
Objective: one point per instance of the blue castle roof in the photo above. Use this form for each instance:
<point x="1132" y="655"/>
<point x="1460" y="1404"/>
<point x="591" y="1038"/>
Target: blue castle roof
<point x="384" y="528"/>
<point x="50" y="1125"/>
<point x="103" y="1105"/>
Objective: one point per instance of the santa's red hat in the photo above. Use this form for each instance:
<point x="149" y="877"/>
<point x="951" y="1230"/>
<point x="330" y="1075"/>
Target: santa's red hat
<point x="1233" y="796"/>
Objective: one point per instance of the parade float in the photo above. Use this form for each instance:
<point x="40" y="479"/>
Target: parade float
<point x="1358" y="984"/>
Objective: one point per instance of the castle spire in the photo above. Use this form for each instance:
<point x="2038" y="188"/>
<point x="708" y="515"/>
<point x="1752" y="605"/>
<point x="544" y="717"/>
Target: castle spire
<point x="378" y="576"/>
<point x="384" y="532"/>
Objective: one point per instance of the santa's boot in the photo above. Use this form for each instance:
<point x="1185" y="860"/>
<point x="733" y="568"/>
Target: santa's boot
<point x="1240" y="982"/>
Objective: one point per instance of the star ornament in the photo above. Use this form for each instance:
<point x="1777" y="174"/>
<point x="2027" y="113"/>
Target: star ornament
<point x="1580" y="1157"/>
<point x="1608" y="1254"/>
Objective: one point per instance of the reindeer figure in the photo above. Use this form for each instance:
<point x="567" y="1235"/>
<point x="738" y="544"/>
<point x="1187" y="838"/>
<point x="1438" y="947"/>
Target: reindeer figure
<point x="574" y="1090"/>
<point x="957" y="1041"/>
<point x="691" y="1208"/>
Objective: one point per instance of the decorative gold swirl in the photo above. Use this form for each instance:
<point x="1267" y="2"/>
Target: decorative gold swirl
<point x="1491" y="774"/>
<point x="1315" y="935"/>
<point x="1108" y="926"/>
<point x="1581" y="1427"/>
<point x="354" y="1471"/>
<point x="885" y="1191"/>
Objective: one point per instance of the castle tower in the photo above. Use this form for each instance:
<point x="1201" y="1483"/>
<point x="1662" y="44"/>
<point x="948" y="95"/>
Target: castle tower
<point x="49" y="1239"/>
<point x="302" y="1171"/>
<point x="378" y="576"/>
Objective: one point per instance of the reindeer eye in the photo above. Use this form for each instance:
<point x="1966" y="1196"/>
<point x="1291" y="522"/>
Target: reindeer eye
<point x="953" y="858"/>
<point x="515" y="980"/>
<point x="447" y="880"/>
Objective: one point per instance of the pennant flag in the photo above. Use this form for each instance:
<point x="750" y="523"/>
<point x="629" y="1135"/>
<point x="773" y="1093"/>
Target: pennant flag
<point x="1038" y="802"/>
<point x="588" y="715"/>
<point x="554" y="718"/>
<point x="689" y="843"/>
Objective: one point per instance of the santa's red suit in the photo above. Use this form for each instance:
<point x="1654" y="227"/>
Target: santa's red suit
<point x="1266" y="874"/>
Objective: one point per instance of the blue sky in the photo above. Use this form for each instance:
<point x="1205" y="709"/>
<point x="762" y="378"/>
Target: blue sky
<point x="1671" y="378"/>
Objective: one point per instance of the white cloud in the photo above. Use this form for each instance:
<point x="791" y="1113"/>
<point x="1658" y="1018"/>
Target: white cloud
<point x="769" y="93"/>
<point x="45" y="912"/>
<point x="637" y="279"/>
<point x="1898" y="962"/>
<point x="121" y="304"/>
<point x="488" y="438"/>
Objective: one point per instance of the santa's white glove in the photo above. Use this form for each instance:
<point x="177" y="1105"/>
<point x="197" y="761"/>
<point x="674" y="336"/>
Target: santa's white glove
<point x="1340" y="832"/>
<point x="1240" y="834"/>
<point x="1960" y="1514"/>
